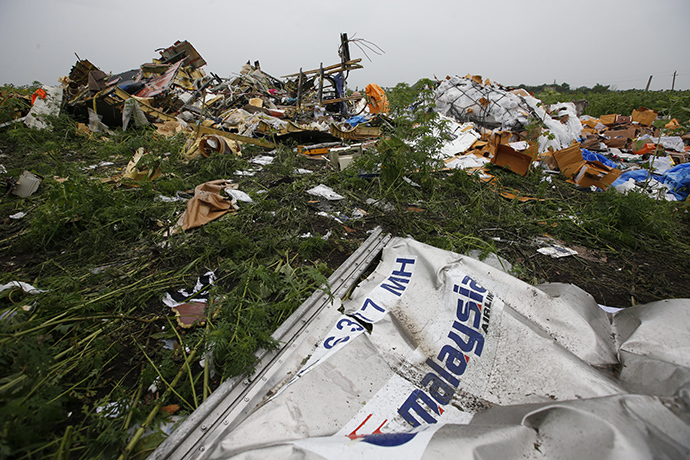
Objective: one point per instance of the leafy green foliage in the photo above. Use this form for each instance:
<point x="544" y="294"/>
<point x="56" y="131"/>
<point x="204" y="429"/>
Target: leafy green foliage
<point x="602" y="101"/>
<point x="15" y="102"/>
<point x="414" y="142"/>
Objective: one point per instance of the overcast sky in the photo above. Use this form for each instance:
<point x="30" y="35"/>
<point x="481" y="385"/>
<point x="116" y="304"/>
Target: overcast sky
<point x="581" y="42"/>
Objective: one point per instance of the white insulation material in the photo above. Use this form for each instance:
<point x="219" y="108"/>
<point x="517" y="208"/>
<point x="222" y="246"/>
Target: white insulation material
<point x="438" y="355"/>
<point x="491" y="106"/>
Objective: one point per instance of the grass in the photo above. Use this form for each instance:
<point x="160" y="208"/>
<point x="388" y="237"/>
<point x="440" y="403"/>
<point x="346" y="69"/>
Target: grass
<point x="78" y="362"/>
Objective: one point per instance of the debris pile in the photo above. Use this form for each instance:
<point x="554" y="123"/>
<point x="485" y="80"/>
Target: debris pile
<point x="220" y="114"/>
<point x="513" y="129"/>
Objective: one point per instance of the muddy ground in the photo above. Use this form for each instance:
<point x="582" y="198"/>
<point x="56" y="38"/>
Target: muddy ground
<point x="623" y="279"/>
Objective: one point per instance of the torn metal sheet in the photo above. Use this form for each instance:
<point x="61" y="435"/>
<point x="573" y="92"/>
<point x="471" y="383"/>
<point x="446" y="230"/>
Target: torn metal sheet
<point x="440" y="355"/>
<point x="236" y="397"/>
<point x="181" y="50"/>
<point x="158" y="85"/>
<point x="48" y="106"/>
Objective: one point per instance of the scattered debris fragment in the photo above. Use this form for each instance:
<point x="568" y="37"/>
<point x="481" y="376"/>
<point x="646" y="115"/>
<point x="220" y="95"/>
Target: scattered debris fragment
<point x="45" y="103"/>
<point x="190" y="304"/>
<point x="26" y="287"/>
<point x="556" y="251"/>
<point x="326" y="192"/>
<point x="27" y="184"/>
<point x="207" y="204"/>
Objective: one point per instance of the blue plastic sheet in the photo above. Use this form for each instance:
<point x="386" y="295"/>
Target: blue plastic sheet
<point x="677" y="177"/>
<point x="638" y="175"/>
<point x="592" y="156"/>
<point x="354" y="121"/>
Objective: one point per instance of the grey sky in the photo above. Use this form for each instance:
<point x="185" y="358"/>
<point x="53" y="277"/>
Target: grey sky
<point x="583" y="42"/>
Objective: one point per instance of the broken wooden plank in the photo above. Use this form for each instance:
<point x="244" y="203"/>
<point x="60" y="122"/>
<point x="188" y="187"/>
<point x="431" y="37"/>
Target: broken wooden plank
<point x="237" y="137"/>
<point x="349" y="65"/>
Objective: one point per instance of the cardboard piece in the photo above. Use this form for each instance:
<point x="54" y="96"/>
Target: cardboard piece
<point x="615" y="143"/>
<point x="591" y="142"/>
<point x="513" y="194"/>
<point x="597" y="174"/>
<point x="644" y="116"/>
<point x="479" y="145"/>
<point x="168" y="128"/>
<point x="504" y="137"/>
<point x="618" y="138"/>
<point x="549" y="160"/>
<point x="509" y="158"/>
<point x="496" y="138"/>
<point x="679" y="158"/>
<point x="134" y="173"/>
<point x="569" y="160"/>
<point x="608" y="120"/>
<point x="592" y="123"/>
<point x="584" y="173"/>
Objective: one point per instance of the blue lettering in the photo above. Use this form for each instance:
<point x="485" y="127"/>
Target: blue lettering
<point x="397" y="288"/>
<point x="474" y="337"/>
<point x="442" y="372"/>
<point x="463" y="312"/>
<point x="454" y="359"/>
<point x="411" y="403"/>
<point x="368" y="302"/>
<point x="467" y="293"/>
<point x="328" y="345"/>
<point x="476" y="287"/>
<point x="356" y="327"/>
<point x="439" y="390"/>
<point x="402" y="271"/>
